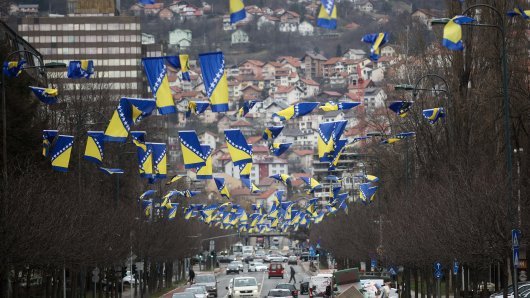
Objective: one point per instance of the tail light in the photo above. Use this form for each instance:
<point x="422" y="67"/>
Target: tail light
<point x="295" y="292"/>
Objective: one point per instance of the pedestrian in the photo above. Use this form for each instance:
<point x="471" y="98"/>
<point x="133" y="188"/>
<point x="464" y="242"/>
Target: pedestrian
<point x="385" y="290"/>
<point x="191" y="275"/>
<point x="292" y="275"/>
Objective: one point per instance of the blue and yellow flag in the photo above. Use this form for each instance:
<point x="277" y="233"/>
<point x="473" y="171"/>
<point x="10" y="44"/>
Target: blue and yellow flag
<point x="337" y="152"/>
<point x="111" y="171"/>
<point x="327" y="17"/>
<point x="94" y="146"/>
<point x="250" y="185"/>
<point x="245" y="170"/>
<point x="156" y="72"/>
<point x="214" y="78"/>
<point x="129" y="112"/>
<point x="377" y="40"/>
<point x="173" y="210"/>
<point x="196" y="107"/>
<point x="272" y="132"/>
<point x="333" y="106"/>
<point x="147" y="207"/>
<point x="222" y="188"/>
<point x="390" y="141"/>
<point x="60" y="153"/>
<point x="434" y="114"/>
<point x="371" y="178"/>
<point x="240" y="151"/>
<point x="284" y="178"/>
<point x="404" y="135"/>
<point x="80" y="69"/>
<point x="205" y="172"/>
<point x="367" y="192"/>
<point x="278" y="149"/>
<point x="247" y="105"/>
<point x="237" y="11"/>
<point x="518" y="11"/>
<point x="13" y="69"/>
<point x="48" y="136"/>
<point x="453" y="32"/>
<point x="175" y="179"/>
<point x="325" y="141"/>
<point x="312" y="183"/>
<point x="192" y="152"/>
<point x="46" y="95"/>
<point x="147" y="193"/>
<point x="296" y="110"/>
<point x="401" y="108"/>
<point x="159" y="159"/>
<point x="180" y="62"/>
<point x="145" y="160"/>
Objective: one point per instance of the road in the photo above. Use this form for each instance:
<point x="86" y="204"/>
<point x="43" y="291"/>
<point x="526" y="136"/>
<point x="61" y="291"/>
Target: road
<point x="262" y="278"/>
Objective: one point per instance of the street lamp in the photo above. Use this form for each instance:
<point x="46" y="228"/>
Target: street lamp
<point x="506" y="103"/>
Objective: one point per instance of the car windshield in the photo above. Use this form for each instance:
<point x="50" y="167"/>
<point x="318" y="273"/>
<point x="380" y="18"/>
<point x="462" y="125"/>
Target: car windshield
<point x="183" y="295"/>
<point x="245" y="282"/>
<point x="285" y="286"/>
<point x="279" y="293"/>
<point x="232" y="266"/>
<point x="196" y="290"/>
<point x="204" y="278"/>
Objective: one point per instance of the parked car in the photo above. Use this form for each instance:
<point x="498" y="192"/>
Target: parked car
<point x="292" y="260"/>
<point x="304" y="256"/>
<point x="225" y="259"/>
<point x="243" y="287"/>
<point x="198" y="291"/>
<point x="257" y="266"/>
<point x="209" y="281"/>
<point x="277" y="258"/>
<point x="290" y="287"/>
<point x="232" y="268"/>
<point x="522" y="286"/>
<point x="276" y="270"/>
<point x="279" y="293"/>
<point x="128" y="279"/>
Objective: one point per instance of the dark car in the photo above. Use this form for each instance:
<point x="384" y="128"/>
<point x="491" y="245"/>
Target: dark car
<point x="278" y="293"/>
<point x="225" y="259"/>
<point x="293" y="260"/>
<point x="232" y="268"/>
<point x="290" y="287"/>
<point x="304" y="256"/>
<point x="248" y="259"/>
<point x="209" y="281"/>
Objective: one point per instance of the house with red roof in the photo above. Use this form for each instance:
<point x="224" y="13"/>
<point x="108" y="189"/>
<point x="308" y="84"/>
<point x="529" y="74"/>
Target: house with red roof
<point x="289" y="21"/>
<point x="287" y="94"/>
<point x="246" y="127"/>
<point x="308" y="87"/>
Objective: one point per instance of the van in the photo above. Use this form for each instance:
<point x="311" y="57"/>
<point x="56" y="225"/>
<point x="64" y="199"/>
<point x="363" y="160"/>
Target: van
<point x="276" y="270"/>
<point x="243" y="287"/>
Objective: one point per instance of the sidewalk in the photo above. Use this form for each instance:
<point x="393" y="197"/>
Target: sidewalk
<point x="305" y="268"/>
<point x="181" y="288"/>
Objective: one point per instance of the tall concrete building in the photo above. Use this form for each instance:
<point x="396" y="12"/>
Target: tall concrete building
<point x="112" y="42"/>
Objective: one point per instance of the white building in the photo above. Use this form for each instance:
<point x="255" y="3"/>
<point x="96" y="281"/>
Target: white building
<point x="306" y="29"/>
<point x="239" y="36"/>
<point x="148" y="38"/>
<point x="374" y="98"/>
<point x="180" y="38"/>
<point x="355" y="54"/>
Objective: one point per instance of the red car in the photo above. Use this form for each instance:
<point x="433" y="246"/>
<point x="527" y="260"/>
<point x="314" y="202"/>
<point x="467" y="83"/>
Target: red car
<point x="276" y="270"/>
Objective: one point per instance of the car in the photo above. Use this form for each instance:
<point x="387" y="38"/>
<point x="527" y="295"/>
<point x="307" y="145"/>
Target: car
<point x="304" y="256"/>
<point x="183" y="295"/>
<point x="292" y="260"/>
<point x="522" y="286"/>
<point x="225" y="259"/>
<point x="290" y="287"/>
<point x="243" y="287"/>
<point x="128" y="279"/>
<point x="274" y="247"/>
<point x="239" y="265"/>
<point x="260" y="254"/>
<point x="198" y="291"/>
<point x="279" y="293"/>
<point x="248" y="259"/>
<point x="232" y="268"/>
<point x="276" y="270"/>
<point x="209" y="281"/>
<point x="257" y="266"/>
<point x="277" y="258"/>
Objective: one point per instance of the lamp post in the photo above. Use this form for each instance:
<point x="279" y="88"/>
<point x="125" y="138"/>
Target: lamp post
<point x="506" y="102"/>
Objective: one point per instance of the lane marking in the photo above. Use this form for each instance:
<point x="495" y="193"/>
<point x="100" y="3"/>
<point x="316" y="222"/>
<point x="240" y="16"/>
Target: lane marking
<point x="262" y="284"/>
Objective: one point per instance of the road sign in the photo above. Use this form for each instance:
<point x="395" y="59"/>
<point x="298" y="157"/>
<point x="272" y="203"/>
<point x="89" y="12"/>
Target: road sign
<point x="516" y="257"/>
<point x="95" y="279"/>
<point x="139" y="266"/>
<point x="455" y="267"/>
<point x="212" y="245"/>
<point x="312" y="252"/>
<point x="373" y="263"/>
<point x="392" y="271"/>
<point x="95" y="271"/>
<point x="438" y="270"/>
<point x="516" y="237"/>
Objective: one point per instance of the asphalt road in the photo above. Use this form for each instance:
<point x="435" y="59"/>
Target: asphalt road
<point x="261" y="278"/>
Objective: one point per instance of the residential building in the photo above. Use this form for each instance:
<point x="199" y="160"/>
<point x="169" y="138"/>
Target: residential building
<point x="267" y="21"/>
<point x="425" y="16"/>
<point x="374" y="98"/>
<point x="289" y="21"/>
<point x="180" y="38"/>
<point x="306" y="29"/>
<point x="355" y="54"/>
<point x="251" y="67"/>
<point x="312" y="64"/>
<point x="388" y="51"/>
<point x="303" y="159"/>
<point x="148" y="39"/>
<point x="287" y="94"/>
<point x="363" y="5"/>
<point x="166" y="14"/>
<point x="92" y="8"/>
<point x="239" y="36"/>
<point x="24" y="10"/>
<point x="112" y="42"/>
<point x="308" y="88"/>
<point x="227" y="25"/>
<point x="209" y="138"/>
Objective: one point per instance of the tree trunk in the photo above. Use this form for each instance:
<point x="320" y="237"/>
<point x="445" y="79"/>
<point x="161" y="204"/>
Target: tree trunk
<point x="422" y="283"/>
<point x="466" y="280"/>
<point x="447" y="278"/>
<point x="428" y="285"/>
<point x="416" y="282"/>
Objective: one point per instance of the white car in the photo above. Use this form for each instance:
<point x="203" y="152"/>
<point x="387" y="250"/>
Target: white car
<point x="198" y="291"/>
<point x="129" y="280"/>
<point x="243" y="287"/>
<point x="239" y="265"/>
<point x="277" y="259"/>
<point x="257" y="266"/>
